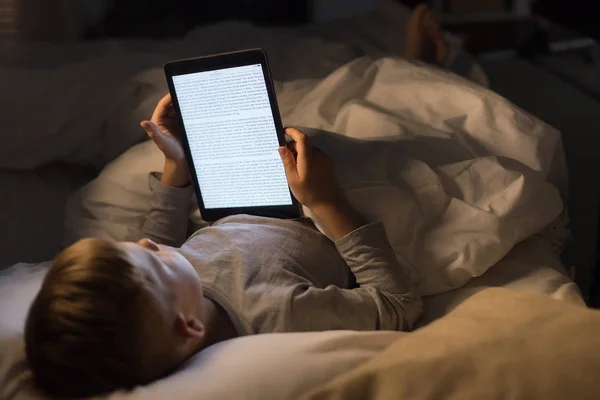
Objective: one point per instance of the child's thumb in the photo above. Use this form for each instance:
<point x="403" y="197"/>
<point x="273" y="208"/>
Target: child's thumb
<point x="153" y="132"/>
<point x="150" y="128"/>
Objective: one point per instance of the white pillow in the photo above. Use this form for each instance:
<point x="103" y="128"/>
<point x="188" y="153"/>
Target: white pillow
<point x="262" y="367"/>
<point x="77" y="119"/>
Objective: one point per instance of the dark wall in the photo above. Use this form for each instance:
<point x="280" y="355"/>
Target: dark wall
<point x="268" y="12"/>
<point x="163" y="18"/>
<point x="581" y="15"/>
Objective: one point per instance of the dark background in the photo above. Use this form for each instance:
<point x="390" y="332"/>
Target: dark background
<point x="160" y="18"/>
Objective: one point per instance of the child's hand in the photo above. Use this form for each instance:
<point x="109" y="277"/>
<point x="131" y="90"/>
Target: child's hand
<point x="312" y="180"/>
<point x="310" y="175"/>
<point x="163" y="129"/>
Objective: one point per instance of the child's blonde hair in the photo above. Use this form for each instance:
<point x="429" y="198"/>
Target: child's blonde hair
<point x="99" y="323"/>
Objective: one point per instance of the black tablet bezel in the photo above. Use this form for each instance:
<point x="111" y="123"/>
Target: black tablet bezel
<point x="221" y="61"/>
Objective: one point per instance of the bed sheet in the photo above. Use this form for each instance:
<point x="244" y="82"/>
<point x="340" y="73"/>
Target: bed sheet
<point x="575" y="114"/>
<point x="531" y="266"/>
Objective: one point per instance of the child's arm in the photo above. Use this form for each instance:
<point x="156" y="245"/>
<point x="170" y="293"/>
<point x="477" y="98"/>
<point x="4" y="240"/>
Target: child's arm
<point x="164" y="132"/>
<point x="386" y="297"/>
<point x="167" y="218"/>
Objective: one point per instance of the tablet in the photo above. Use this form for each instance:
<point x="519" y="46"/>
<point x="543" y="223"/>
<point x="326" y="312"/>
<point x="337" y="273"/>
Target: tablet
<point x="231" y="131"/>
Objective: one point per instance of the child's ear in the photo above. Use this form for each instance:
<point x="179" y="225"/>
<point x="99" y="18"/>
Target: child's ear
<point x="189" y="327"/>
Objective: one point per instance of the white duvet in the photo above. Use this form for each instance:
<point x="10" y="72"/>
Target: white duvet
<point x="458" y="175"/>
<point x="471" y="175"/>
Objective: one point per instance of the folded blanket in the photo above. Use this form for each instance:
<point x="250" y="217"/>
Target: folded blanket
<point x="498" y="344"/>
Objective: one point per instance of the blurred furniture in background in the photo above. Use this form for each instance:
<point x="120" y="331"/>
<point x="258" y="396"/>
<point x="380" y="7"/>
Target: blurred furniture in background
<point x="519" y="36"/>
<point x="49" y="20"/>
<point x="507" y="28"/>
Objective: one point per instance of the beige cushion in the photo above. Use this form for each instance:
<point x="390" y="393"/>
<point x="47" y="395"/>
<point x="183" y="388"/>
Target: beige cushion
<point x="498" y="344"/>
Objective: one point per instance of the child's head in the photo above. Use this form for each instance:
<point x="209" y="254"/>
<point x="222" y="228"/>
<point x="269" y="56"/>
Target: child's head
<point x="113" y="315"/>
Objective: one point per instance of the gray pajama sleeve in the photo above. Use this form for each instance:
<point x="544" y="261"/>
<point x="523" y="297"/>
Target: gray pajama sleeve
<point x="166" y="221"/>
<point x="386" y="298"/>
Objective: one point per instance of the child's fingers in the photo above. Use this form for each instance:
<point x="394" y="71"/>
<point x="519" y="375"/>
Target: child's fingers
<point x="292" y="147"/>
<point x="289" y="164"/>
<point x="302" y="148"/>
<point x="171" y="111"/>
<point x="151" y="129"/>
<point x="162" y="108"/>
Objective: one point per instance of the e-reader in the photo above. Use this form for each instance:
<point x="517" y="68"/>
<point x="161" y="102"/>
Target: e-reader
<point x="231" y="132"/>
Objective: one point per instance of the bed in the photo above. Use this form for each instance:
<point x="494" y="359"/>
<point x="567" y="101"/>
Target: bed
<point x="435" y="150"/>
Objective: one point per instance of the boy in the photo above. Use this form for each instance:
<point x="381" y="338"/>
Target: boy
<point x="115" y="315"/>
